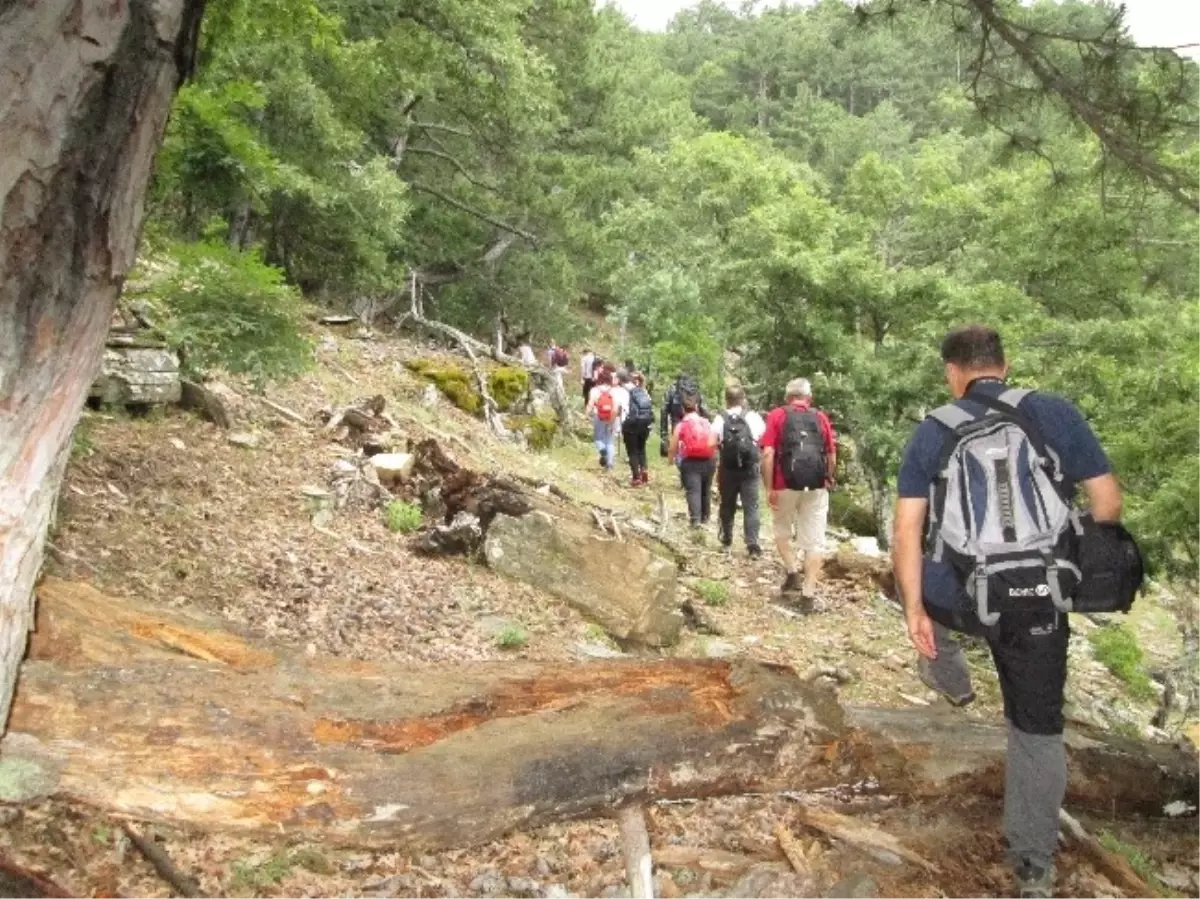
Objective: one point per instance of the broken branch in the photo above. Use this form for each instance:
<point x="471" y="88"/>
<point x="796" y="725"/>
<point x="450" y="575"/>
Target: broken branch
<point x="158" y="858"/>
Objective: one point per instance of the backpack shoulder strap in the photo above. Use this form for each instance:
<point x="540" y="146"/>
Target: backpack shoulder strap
<point x="952" y="416"/>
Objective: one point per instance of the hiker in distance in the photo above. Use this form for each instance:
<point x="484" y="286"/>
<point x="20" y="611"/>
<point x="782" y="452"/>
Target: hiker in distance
<point x="1013" y="459"/>
<point x="635" y="430"/>
<point x="558" y="361"/>
<point x="694" y="445"/>
<point x="604" y="408"/>
<point x="799" y="457"/>
<point x="673" y="411"/>
<point x="587" y="367"/>
<point x="738" y="431"/>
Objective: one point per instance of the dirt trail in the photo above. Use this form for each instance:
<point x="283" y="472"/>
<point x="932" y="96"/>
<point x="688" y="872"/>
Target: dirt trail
<point x="167" y="509"/>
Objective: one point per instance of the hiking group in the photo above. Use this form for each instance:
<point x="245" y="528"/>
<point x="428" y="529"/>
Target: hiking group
<point x="987" y="540"/>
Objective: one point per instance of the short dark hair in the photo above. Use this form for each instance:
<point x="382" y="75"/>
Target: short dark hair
<point x="690" y="401"/>
<point x="734" y="396"/>
<point x="973" y="347"/>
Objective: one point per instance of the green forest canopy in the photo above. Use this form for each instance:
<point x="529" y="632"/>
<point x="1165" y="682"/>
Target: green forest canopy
<point x="822" y="189"/>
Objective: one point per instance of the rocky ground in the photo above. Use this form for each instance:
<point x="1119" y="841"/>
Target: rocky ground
<point x="173" y="510"/>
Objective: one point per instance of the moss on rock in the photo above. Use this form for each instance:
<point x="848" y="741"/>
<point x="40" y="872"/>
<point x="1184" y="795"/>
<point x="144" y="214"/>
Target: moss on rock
<point x="454" y="382"/>
<point x="507" y="385"/>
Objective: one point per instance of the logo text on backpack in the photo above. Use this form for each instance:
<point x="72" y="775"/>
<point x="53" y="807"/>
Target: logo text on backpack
<point x="1039" y="590"/>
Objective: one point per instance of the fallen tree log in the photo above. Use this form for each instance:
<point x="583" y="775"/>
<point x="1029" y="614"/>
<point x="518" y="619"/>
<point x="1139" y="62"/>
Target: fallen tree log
<point x="162" y="717"/>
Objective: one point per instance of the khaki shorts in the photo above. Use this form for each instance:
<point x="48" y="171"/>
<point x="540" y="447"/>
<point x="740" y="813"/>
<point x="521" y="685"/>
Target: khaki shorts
<point x="803" y="513"/>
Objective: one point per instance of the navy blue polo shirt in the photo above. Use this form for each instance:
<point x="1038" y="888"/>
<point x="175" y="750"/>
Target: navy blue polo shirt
<point x="1060" y="424"/>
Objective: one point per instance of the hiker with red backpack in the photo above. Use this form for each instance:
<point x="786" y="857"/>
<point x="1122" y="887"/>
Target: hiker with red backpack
<point x="606" y="410"/>
<point x="694" y="444"/>
<point x="799" y="457"/>
<point x="635" y="430"/>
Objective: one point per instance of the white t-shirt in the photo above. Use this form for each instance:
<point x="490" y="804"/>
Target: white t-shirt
<point x="754" y="421"/>
<point x="620" y="404"/>
<point x="586" y="364"/>
<point x="621" y="398"/>
<point x="526" y="353"/>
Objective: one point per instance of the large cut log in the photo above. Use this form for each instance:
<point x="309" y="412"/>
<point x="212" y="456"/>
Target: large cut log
<point x="163" y="717"/>
<point x="85" y="86"/>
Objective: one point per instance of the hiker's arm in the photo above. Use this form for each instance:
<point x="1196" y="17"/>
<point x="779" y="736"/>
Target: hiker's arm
<point x="767" y="466"/>
<point x="907" y="562"/>
<point x="673" y="447"/>
<point x="1104" y="497"/>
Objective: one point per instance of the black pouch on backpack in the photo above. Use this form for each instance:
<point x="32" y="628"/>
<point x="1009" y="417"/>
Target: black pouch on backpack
<point x="1112" y="567"/>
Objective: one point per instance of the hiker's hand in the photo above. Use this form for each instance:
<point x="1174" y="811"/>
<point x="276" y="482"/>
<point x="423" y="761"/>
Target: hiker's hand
<point x="773" y="499"/>
<point x="920" y="631"/>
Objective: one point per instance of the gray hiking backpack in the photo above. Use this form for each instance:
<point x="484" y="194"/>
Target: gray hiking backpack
<point x="998" y="512"/>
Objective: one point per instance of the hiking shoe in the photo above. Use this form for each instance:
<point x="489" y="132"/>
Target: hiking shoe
<point x="958" y="698"/>
<point x="754" y="552"/>
<point x="603" y="459"/>
<point x="792" y="583"/>
<point x="635" y="481"/>
<point x="1034" y="881"/>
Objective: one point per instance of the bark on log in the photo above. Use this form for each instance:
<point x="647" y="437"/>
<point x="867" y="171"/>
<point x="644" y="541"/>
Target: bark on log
<point x="84" y="93"/>
<point x="162" y="717"/>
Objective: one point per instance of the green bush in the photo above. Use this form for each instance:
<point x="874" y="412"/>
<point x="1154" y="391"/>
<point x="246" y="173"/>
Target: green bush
<point x="454" y="382"/>
<point x="845" y="512"/>
<point x="507" y="386"/>
<point x="402" y="517"/>
<point x="714" y="593"/>
<point x="1116" y="648"/>
<point x="228" y="309"/>
<point x="513" y="636"/>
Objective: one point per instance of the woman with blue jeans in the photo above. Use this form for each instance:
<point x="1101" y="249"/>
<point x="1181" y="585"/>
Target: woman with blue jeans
<point x="604" y="406"/>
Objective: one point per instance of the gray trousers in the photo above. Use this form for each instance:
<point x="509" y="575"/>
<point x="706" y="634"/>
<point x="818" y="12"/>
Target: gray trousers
<point x="731" y="484"/>
<point x="1035" y="768"/>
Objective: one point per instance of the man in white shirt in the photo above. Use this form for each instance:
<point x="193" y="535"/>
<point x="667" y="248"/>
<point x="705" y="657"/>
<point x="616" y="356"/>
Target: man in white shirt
<point x="738" y="431"/>
<point x="526" y="354"/>
<point x="586" y="369"/>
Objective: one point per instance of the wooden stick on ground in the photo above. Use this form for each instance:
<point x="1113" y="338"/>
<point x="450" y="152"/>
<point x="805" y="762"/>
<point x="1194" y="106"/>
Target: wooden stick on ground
<point x="715" y="861"/>
<point x="635" y="848"/>
<point x="867" y="837"/>
<point x="791" y="849"/>
<point x="1115" y="867"/>
<point x="18" y="881"/>
<point x="157" y="856"/>
<point x="287" y="413"/>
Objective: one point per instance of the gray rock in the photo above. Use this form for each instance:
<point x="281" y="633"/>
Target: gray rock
<point x="523" y="886"/>
<point x="396" y="885"/>
<point x="555" y="891"/>
<point x="615" y="891"/>
<point x="243" y="439"/>
<point x="855" y="885"/>
<point x="771" y="879"/>
<point x="541" y="867"/>
<point x="488" y="883"/>
<point x="626" y="588"/>
<point x="136" y="375"/>
<point x="595" y="650"/>
<point x="719" y="649"/>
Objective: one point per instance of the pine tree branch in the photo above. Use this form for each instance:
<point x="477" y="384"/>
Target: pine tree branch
<point x="477" y="213"/>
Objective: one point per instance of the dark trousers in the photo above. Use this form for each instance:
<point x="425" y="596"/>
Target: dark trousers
<point x="635" y="437"/>
<point x="696" y="475"/>
<point x="732" y="484"/>
<point x="588" y="384"/>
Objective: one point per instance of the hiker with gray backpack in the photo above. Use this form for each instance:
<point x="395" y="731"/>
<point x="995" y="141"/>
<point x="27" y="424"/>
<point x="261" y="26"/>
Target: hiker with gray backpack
<point x="738" y="431"/>
<point x="988" y="542"/>
<point x="635" y="430"/>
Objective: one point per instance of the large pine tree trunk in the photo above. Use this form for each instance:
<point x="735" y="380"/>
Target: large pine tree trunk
<point x="85" y="87"/>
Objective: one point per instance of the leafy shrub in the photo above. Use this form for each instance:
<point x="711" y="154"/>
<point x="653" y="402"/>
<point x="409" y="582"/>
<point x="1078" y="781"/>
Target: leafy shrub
<point x="512" y="636"/>
<point x="507" y="386"/>
<point x="402" y="517"/>
<point x="1116" y="648"/>
<point x="845" y="512"/>
<point x="229" y="309"/>
<point x="454" y="382"/>
<point x="714" y="593"/>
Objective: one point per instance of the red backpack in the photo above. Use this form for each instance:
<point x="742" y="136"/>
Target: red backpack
<point x="606" y="409"/>
<point x="695" y="438"/>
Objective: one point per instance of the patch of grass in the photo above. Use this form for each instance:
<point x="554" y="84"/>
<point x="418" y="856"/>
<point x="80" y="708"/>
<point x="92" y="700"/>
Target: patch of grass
<point x="1142" y="863"/>
<point x="312" y="860"/>
<point x="82" y="442"/>
<point x="512" y="636"/>
<point x="595" y="633"/>
<point x="714" y="593"/>
<point x="402" y="517"/>
<point x="101" y="834"/>
<point x="251" y="878"/>
<point x="1116" y="648"/>
<point x="698" y="537"/>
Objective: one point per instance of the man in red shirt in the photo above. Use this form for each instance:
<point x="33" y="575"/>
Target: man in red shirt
<point x="799" y="456"/>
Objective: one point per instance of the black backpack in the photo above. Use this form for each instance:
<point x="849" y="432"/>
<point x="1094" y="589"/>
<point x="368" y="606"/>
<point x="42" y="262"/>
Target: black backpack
<point x="738" y="449"/>
<point x="685" y="386"/>
<point x="802" y="451"/>
<point x="641" y="408"/>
